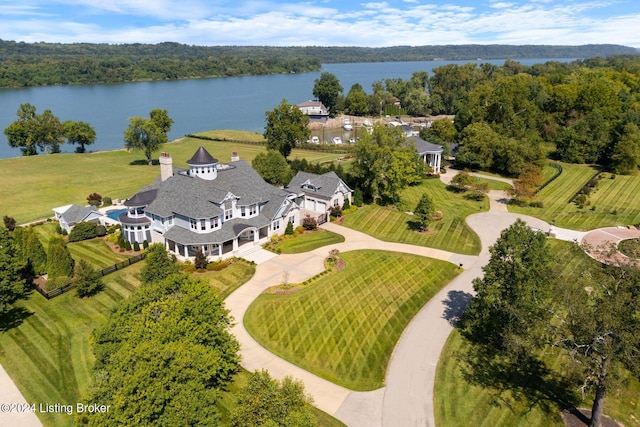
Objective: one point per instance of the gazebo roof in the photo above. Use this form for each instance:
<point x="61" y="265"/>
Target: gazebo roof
<point x="424" y="147"/>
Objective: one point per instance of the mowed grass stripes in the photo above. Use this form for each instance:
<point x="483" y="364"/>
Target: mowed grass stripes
<point x="614" y="202"/>
<point x="344" y="326"/>
<point x="449" y="234"/>
<point x="49" y="355"/>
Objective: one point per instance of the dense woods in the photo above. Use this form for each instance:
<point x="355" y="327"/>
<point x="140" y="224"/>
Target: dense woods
<point x="39" y="64"/>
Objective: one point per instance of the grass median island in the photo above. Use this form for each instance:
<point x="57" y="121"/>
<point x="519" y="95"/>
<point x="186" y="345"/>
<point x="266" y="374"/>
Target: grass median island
<point x="450" y="234"/>
<point x="34" y="185"/>
<point x="457" y="402"/>
<point x="344" y="326"/>
<point x="306" y="242"/>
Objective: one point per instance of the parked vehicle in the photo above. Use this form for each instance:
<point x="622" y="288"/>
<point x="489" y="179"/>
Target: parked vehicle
<point x="336" y="140"/>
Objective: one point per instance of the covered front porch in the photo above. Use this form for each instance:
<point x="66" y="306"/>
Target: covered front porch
<point x="245" y="240"/>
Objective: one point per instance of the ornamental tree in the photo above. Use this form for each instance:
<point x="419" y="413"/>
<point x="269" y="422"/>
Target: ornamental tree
<point x="144" y="135"/>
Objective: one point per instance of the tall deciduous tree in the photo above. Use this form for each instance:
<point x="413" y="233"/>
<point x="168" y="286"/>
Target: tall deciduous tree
<point x="148" y="135"/>
<point x="286" y="127"/>
<point x="163" y="357"/>
<point x="598" y="325"/>
<point x="356" y="102"/>
<point x="12" y="284"/>
<point x="510" y="308"/>
<point x="327" y="89"/>
<point x="384" y="164"/>
<point x="81" y="133"/>
<point x="158" y="264"/>
<point x="626" y="153"/>
<point x="527" y="184"/>
<point x="268" y="402"/>
<point x="272" y="167"/>
<point x="35" y="131"/>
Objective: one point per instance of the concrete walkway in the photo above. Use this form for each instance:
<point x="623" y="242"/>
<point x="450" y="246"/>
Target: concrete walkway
<point x="9" y="415"/>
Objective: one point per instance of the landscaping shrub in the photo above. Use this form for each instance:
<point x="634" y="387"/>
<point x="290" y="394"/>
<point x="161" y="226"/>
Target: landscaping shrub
<point x="113" y="228"/>
<point x="101" y="230"/>
<point x="9" y="222"/>
<point x="145" y="245"/>
<point x="59" y="229"/>
<point x="357" y="197"/>
<point x="187" y="267"/>
<point x="309" y="223"/>
<point x="476" y="196"/>
<point x="537" y="204"/>
<point x="106" y="201"/>
<point x="127" y="245"/>
<point x="289" y="230"/>
<point x="346" y="205"/>
<point x="201" y="260"/>
<point x="336" y="211"/>
<point x="83" y="231"/>
<point x="136" y="246"/>
<point x="275" y="238"/>
<point x="218" y="265"/>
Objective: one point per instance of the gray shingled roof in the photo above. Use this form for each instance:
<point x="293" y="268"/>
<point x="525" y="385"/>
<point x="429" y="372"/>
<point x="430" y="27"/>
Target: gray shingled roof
<point x="230" y="229"/>
<point x="327" y="184"/>
<point x="423" y="147"/>
<point x="142" y="198"/>
<point x="202" y="157"/>
<point x="76" y="213"/>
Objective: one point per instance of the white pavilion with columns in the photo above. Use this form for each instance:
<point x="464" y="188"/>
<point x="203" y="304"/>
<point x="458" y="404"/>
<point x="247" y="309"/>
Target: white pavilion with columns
<point x="431" y="153"/>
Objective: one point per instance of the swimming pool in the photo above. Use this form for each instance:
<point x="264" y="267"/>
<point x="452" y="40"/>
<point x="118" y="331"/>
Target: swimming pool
<point x="115" y="213"/>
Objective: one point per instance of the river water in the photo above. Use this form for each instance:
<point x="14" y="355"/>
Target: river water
<point x="194" y="105"/>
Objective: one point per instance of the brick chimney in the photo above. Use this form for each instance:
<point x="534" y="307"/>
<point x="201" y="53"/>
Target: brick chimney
<point x="235" y="157"/>
<point x="166" y="166"/>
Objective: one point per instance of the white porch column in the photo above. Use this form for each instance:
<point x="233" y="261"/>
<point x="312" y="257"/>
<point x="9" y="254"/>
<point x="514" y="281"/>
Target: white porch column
<point x="220" y="249"/>
<point x="256" y="233"/>
<point x="186" y="251"/>
<point x="235" y="244"/>
<point x="438" y="162"/>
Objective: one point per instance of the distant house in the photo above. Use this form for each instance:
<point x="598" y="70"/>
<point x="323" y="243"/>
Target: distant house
<point x="431" y="153"/>
<point x="70" y="215"/>
<point x="223" y="209"/>
<point x="316" y="111"/>
<point x="317" y="194"/>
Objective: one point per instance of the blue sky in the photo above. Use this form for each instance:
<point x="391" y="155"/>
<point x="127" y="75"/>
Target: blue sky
<point x="323" y="22"/>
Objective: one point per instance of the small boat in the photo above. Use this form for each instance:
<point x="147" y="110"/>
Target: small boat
<point x="336" y="140"/>
<point x="347" y="125"/>
<point x="367" y="123"/>
<point x="315" y="140"/>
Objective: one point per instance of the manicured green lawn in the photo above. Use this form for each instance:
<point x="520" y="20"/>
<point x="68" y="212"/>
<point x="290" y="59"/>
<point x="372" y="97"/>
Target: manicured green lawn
<point x="228" y="279"/>
<point x="459" y="403"/>
<point x="94" y="251"/>
<point x="61" y="179"/>
<point x="49" y="355"/>
<point x="494" y="184"/>
<point x="344" y="326"/>
<point x="614" y="202"/>
<point x="449" y="234"/>
<point x="307" y="242"/>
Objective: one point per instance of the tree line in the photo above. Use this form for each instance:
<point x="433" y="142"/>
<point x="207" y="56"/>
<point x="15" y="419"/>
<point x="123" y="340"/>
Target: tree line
<point x="585" y="111"/>
<point x="39" y="64"/>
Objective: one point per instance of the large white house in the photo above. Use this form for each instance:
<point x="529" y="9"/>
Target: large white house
<point x="224" y="209"/>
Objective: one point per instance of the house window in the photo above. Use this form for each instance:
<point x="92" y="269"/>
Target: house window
<point x="193" y="223"/>
<point x="275" y="225"/>
<point x="170" y="220"/>
<point x="243" y="211"/>
<point x="310" y="187"/>
<point x="335" y="202"/>
<point x="253" y="209"/>
<point x="202" y="225"/>
<point x="214" y="222"/>
<point x="228" y="214"/>
<point x="292" y="219"/>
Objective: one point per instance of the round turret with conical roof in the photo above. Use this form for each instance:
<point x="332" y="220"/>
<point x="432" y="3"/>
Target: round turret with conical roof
<point x="203" y="165"/>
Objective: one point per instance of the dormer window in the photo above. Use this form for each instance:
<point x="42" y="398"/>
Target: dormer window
<point x="310" y="187"/>
<point x="228" y="211"/>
